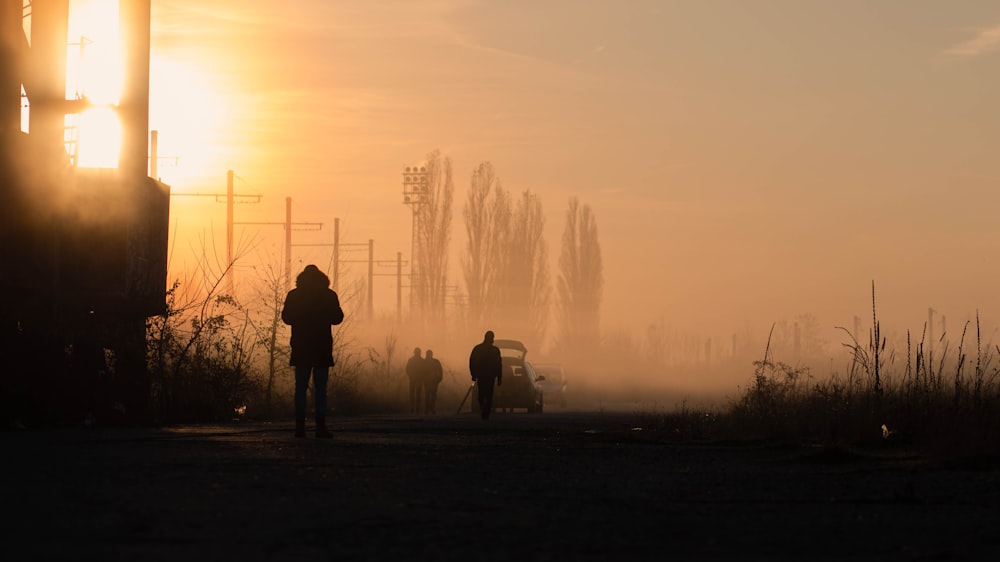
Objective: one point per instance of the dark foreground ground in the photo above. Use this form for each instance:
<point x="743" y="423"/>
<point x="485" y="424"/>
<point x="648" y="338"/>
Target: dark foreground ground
<point x="559" y="486"/>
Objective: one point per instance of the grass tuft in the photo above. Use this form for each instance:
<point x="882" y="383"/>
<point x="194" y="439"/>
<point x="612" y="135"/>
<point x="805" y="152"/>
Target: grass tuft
<point x="876" y="404"/>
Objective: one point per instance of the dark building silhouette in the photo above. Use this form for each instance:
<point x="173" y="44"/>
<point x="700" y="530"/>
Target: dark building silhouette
<point x="84" y="251"/>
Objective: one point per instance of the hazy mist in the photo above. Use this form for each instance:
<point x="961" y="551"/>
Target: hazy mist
<point x="748" y="164"/>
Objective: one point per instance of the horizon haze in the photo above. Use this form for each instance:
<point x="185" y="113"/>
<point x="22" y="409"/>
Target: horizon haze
<point x="747" y="163"/>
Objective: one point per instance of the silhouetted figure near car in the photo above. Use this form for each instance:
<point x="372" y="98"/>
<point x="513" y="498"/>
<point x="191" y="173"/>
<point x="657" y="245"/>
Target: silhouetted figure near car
<point x="415" y="369"/>
<point x="433" y="374"/>
<point x="486" y="366"/>
<point x="311" y="308"/>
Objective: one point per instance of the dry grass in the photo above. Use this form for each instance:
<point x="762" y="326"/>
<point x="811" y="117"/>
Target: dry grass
<point x="945" y="406"/>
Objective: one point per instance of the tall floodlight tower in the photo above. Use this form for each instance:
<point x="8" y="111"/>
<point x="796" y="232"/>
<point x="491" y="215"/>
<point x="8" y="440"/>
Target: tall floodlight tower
<point x="414" y="195"/>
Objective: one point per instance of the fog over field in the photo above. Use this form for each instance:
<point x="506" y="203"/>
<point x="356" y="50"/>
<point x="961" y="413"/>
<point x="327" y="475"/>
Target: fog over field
<point x="746" y="164"/>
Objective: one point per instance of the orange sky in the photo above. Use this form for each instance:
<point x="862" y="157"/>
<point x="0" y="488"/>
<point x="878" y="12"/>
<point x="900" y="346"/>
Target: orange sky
<point x="747" y="162"/>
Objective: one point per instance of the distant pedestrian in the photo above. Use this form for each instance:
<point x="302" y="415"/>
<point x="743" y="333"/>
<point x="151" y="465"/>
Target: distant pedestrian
<point x="311" y="308"/>
<point x="486" y="366"/>
<point x="415" y="369"/>
<point x="433" y="373"/>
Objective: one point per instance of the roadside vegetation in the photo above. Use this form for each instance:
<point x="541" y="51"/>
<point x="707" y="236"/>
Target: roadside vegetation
<point x="944" y="405"/>
<point x="213" y="359"/>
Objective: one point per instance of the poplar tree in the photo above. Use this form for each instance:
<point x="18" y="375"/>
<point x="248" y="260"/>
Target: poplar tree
<point x="527" y="286"/>
<point x="487" y="222"/>
<point x="581" y="281"/>
<point x="506" y="265"/>
<point x="433" y="237"/>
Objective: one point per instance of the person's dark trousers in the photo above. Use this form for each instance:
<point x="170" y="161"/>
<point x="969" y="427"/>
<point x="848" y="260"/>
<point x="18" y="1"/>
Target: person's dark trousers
<point x="416" y="389"/>
<point x="485" y="385"/>
<point x="320" y="376"/>
<point x="430" y="397"/>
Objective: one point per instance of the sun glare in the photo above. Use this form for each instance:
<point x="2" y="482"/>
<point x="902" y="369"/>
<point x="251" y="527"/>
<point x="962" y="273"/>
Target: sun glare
<point x="189" y="115"/>
<point x="94" y="69"/>
<point x="99" y="138"/>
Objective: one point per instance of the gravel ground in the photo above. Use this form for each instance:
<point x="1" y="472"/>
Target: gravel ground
<point x="559" y="486"/>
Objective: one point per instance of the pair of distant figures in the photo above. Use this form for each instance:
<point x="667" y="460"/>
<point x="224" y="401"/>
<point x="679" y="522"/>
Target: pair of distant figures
<point x="425" y="374"/>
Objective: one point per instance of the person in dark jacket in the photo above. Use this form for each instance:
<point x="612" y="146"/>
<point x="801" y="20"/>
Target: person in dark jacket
<point x="486" y="366"/>
<point x="415" y="371"/>
<point x="433" y="374"/>
<point x="311" y="308"/>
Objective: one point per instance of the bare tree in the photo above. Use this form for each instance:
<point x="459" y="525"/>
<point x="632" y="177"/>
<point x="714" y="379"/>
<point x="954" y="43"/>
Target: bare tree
<point x="506" y="267"/>
<point x="270" y="292"/>
<point x="526" y="287"/>
<point x="433" y="237"/>
<point x="581" y="280"/>
<point x="487" y="225"/>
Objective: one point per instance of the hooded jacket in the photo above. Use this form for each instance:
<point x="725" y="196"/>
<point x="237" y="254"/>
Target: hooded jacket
<point x="311" y="308"/>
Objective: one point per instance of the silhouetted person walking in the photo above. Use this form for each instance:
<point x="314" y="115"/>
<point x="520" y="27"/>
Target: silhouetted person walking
<point x="415" y="370"/>
<point x="486" y="366"/>
<point x="433" y="374"/>
<point x="311" y="308"/>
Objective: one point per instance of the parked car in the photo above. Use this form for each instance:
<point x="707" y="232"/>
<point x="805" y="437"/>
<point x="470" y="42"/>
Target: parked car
<point x="522" y="386"/>
<point x="553" y="381"/>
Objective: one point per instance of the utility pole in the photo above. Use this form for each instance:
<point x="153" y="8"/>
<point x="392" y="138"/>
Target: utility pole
<point x="154" y="155"/>
<point x="371" y="262"/>
<point x="369" y="309"/>
<point x="288" y="242"/>
<point x="399" y="262"/>
<point x="288" y="224"/>
<point x="336" y="254"/>
<point x="399" y="287"/>
<point x="335" y="270"/>
<point x="337" y="245"/>
<point x="230" y="199"/>
<point x="229" y="224"/>
<point x="371" y="277"/>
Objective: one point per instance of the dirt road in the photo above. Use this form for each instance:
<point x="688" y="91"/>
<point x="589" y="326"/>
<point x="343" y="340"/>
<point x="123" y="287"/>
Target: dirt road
<point x="559" y="486"/>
